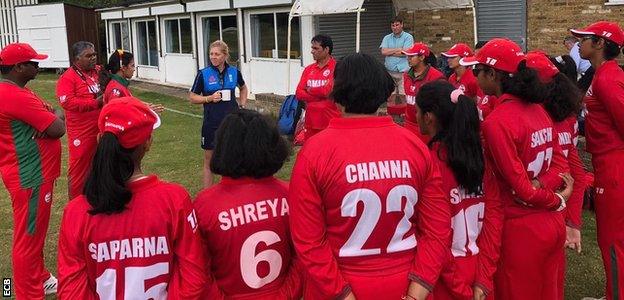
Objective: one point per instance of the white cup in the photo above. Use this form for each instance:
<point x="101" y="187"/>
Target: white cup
<point x="226" y="95"/>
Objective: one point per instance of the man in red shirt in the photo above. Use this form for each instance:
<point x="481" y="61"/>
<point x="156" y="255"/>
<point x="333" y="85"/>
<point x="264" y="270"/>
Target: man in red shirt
<point x="368" y="219"/>
<point x="420" y="72"/>
<point x="30" y="158"/>
<point x="131" y="235"/>
<point x="315" y="85"/>
<point x="77" y="91"/>
<point x="601" y="44"/>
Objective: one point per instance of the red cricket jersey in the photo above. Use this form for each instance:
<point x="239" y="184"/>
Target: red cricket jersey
<point x="26" y="162"/>
<point x="313" y="89"/>
<point x="468" y="83"/>
<point x="476" y="220"/>
<point x="521" y="142"/>
<point x="486" y="105"/>
<point x="77" y="92"/>
<point x="604" y="100"/>
<point x="244" y="223"/>
<point x="116" y="88"/>
<point x="412" y="86"/>
<point x="567" y="131"/>
<point x="150" y="250"/>
<point x="360" y="207"/>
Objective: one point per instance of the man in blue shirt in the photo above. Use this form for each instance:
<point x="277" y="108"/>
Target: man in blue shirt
<point x="572" y="45"/>
<point x="396" y="63"/>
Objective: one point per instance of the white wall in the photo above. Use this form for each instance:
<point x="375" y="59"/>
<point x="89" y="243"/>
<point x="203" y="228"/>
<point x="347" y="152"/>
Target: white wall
<point x="43" y="27"/>
<point x="180" y="68"/>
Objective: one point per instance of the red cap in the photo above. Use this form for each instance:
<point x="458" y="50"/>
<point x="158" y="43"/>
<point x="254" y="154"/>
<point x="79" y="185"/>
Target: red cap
<point x="459" y="49"/>
<point x="417" y="49"/>
<point x="17" y="53"/>
<point x="607" y="30"/>
<point x="500" y="54"/>
<point x="538" y="61"/>
<point x="129" y="119"/>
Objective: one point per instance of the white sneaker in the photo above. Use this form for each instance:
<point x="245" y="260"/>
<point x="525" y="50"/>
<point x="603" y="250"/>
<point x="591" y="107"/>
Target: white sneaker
<point x="592" y="298"/>
<point x="50" y="285"/>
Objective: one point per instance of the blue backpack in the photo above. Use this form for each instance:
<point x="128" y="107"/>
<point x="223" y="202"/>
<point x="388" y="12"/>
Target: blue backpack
<point x="289" y="115"/>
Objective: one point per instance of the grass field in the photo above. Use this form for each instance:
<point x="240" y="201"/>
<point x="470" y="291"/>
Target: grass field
<point x="176" y="156"/>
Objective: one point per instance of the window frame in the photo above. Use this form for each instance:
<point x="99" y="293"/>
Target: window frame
<point x="250" y="38"/>
<point x="201" y="37"/>
<point x="164" y="29"/>
<point x="111" y="25"/>
<point x="136" y="53"/>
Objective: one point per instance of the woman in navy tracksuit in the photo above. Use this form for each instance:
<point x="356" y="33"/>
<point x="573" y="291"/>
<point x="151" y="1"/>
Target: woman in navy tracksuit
<point x="214" y="87"/>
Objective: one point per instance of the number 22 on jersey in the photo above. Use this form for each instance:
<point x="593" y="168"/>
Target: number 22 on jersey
<point x="372" y="213"/>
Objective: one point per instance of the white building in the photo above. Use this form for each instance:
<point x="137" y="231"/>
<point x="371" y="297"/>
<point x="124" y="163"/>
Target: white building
<point x="170" y="39"/>
<point x="8" y="20"/>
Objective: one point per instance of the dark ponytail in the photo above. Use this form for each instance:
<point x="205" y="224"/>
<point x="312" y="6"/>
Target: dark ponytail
<point x="564" y="98"/>
<point x="458" y="132"/>
<point x="111" y="168"/>
<point x="523" y="84"/>
<point x="118" y="59"/>
<point x="431" y="60"/>
<point x="611" y="50"/>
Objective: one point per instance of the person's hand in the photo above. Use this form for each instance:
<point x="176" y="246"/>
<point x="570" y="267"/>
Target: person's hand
<point x="216" y="97"/>
<point x="569" y="182"/>
<point x="536" y="184"/>
<point x="100" y="100"/>
<point x="157" y="108"/>
<point x="478" y="293"/>
<point x="573" y="239"/>
<point x="59" y="113"/>
<point x="351" y="296"/>
<point x="416" y="291"/>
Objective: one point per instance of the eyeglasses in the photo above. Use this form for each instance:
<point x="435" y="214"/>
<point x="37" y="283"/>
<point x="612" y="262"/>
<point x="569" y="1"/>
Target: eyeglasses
<point x="476" y="71"/>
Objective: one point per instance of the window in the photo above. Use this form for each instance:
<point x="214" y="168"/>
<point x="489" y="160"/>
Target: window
<point x="178" y="35"/>
<point x="220" y="28"/>
<point x="270" y="36"/>
<point x="120" y="36"/>
<point x="147" y="51"/>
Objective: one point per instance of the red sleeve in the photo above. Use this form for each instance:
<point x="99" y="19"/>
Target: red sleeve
<point x="301" y="92"/>
<point x="32" y="111"/>
<point x="72" y="267"/>
<point x="610" y="92"/>
<point x="472" y="90"/>
<point x="69" y="100"/>
<point x="574" y="206"/>
<point x="504" y="156"/>
<point x="307" y="222"/>
<point x="188" y="278"/>
<point x="489" y="240"/>
<point x="550" y="179"/>
<point x="434" y="230"/>
<point x="293" y="282"/>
